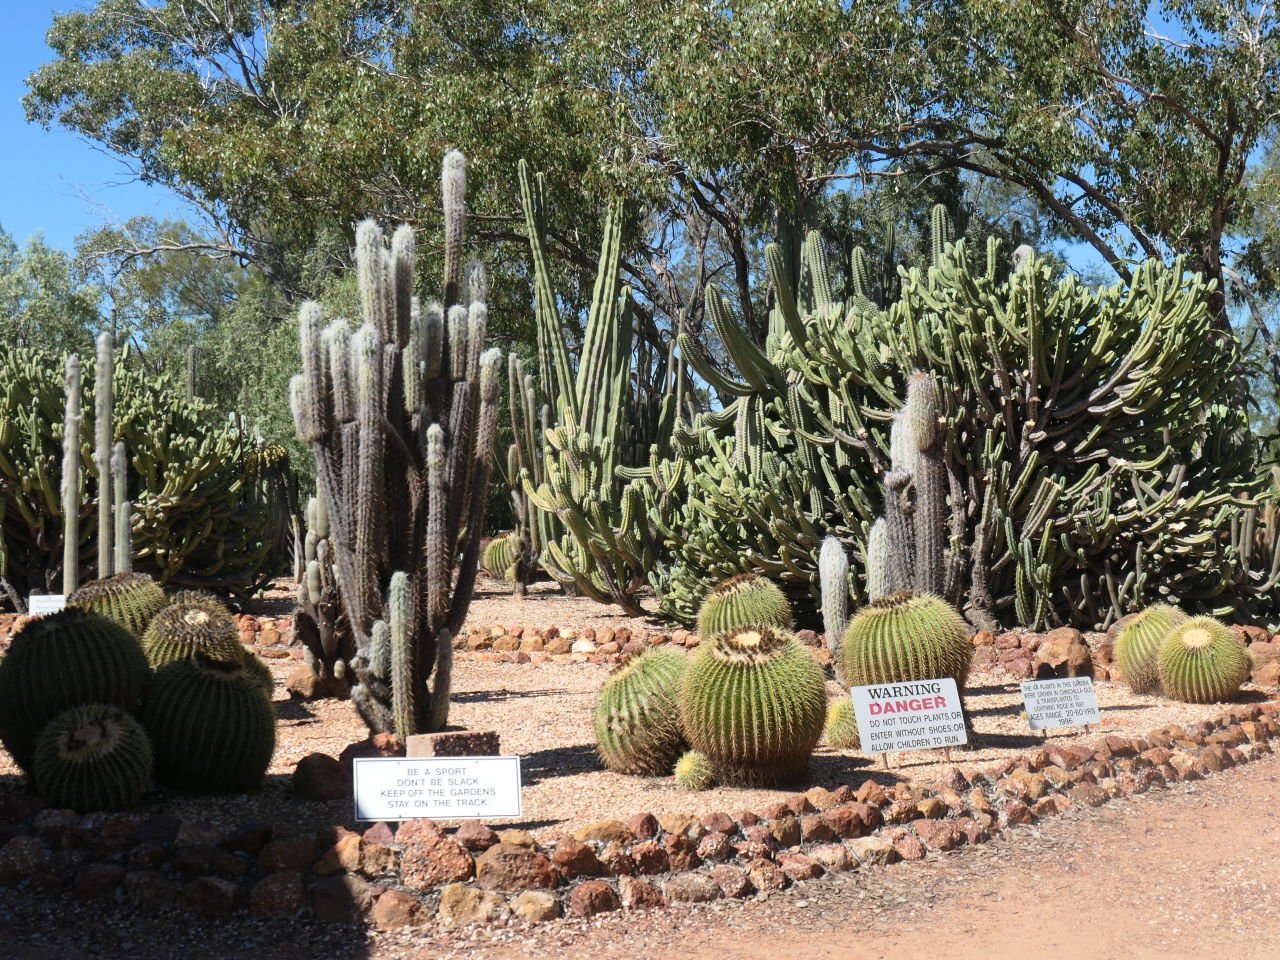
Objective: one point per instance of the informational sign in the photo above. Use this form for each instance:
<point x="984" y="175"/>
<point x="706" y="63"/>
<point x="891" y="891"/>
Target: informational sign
<point x="920" y="715"/>
<point x="1069" y="702"/>
<point x="442" y="788"/>
<point x="38" y="604"/>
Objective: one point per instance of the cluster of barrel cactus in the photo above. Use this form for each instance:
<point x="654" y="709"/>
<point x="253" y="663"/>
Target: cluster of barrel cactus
<point x="400" y="416"/>
<point x="1194" y="659"/>
<point x="116" y="690"/>
<point x="169" y="493"/>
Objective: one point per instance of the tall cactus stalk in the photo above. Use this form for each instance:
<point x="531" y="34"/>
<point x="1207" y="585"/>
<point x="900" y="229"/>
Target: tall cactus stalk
<point x="123" y="510"/>
<point x="71" y="480"/>
<point x="103" y="423"/>
<point x="401" y="419"/>
<point x="833" y="577"/>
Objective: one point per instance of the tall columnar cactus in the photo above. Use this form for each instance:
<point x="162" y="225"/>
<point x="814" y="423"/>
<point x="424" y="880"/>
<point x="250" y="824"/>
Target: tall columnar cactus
<point x="319" y="623"/>
<point x="743" y="601"/>
<point x="754" y="702"/>
<point x="1137" y="645"/>
<point x="904" y="636"/>
<point x="833" y="578"/>
<point x="599" y="422"/>
<point x="93" y="757"/>
<point x="103" y="422"/>
<point x="71" y="480"/>
<point x="525" y="461"/>
<point x="122" y="562"/>
<point x="129" y="599"/>
<point x="637" y="715"/>
<point x="401" y="418"/>
<point x="63" y="660"/>
<point x="1203" y="661"/>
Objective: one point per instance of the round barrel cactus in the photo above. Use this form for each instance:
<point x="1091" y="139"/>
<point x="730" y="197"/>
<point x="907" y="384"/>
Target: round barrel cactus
<point x="841" y="728"/>
<point x="130" y="599"/>
<point x="1203" y="661"/>
<point x="694" y="771"/>
<point x="1138" y="643"/>
<point x="192" y="621"/>
<point x="500" y="556"/>
<point x="754" y="701"/>
<point x="637" y="717"/>
<point x="210" y="724"/>
<point x="259" y="672"/>
<point x="904" y="636"/>
<point x="93" y="757"/>
<point x="744" y="600"/>
<point x="64" y="660"/>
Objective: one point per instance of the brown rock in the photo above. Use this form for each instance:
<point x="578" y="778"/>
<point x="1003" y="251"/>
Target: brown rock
<point x="785" y="831"/>
<point x="815" y="829"/>
<point x="733" y="883"/>
<point x="302" y="684"/>
<point x="210" y="896"/>
<point x="907" y="844"/>
<point x="715" y="846"/>
<point x="616" y="861"/>
<point x="152" y="890"/>
<point x="797" y="866"/>
<point x="319" y="776"/>
<point x="98" y="879"/>
<point x="1063" y="653"/>
<point x="475" y="836"/>
<point x="932" y="808"/>
<point x="517" y="838"/>
<point x="288" y="853"/>
<point x="650" y="857"/>
<point x="454" y="743"/>
<point x="278" y="895"/>
<point x="832" y="857"/>
<point x="939" y="834"/>
<point x="20" y="857"/>
<point x="536" y="906"/>
<point x="643" y="826"/>
<point x="766" y="875"/>
<point x="605" y="831"/>
<point x="692" y="888"/>
<point x="636" y="893"/>
<point x="722" y="822"/>
<point x="461" y="904"/>
<point x="682" y="852"/>
<point x="509" y="869"/>
<point x="378" y="859"/>
<point x="682" y="823"/>
<point x="593" y="897"/>
<point x="1016" y="812"/>
<point x="430" y="859"/>
<point x="558" y="645"/>
<point x="340" y="899"/>
<point x="573" y="858"/>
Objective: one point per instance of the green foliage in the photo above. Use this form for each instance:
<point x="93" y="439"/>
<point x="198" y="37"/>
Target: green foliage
<point x="194" y="522"/>
<point x="210" y="724"/>
<point x="904" y="636"/>
<point x="191" y="623"/>
<point x="93" y="757"/>
<point x="693" y="771"/>
<point x="42" y="301"/>
<point x="1203" y="661"/>
<point x="746" y="600"/>
<point x="1138" y="642"/>
<point x="754" y="701"/>
<point x="130" y="599"/>
<point x="637" y="719"/>
<point x="64" y="660"/>
<point x="841" y="728"/>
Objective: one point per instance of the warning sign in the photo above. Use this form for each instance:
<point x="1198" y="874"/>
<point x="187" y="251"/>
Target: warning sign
<point x="921" y="715"/>
<point x="1069" y="702"/>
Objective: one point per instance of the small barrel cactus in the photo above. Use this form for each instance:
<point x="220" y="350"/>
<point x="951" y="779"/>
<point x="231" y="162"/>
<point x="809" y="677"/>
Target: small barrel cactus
<point x="693" y="771"/>
<point x="841" y="728"/>
<point x="130" y="599"/>
<point x="64" y="660"/>
<point x="904" y="636"/>
<point x="500" y="555"/>
<point x="259" y="672"/>
<point x="93" y="757"/>
<point x="741" y="601"/>
<point x="1203" y="661"/>
<point x="1138" y="643"/>
<point x="192" y="621"/>
<point x="754" y="701"/>
<point x="637" y="717"/>
<point x="210" y="724"/>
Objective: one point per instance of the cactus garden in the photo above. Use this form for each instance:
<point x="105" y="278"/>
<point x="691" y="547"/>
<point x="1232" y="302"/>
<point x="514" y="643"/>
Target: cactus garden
<point x="545" y="465"/>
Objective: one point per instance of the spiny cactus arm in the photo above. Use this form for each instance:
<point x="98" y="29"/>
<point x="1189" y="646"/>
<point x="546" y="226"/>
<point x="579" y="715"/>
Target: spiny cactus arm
<point x="404" y="672"/>
<point x="123" y="546"/>
<point x="103" y="421"/>
<point x="922" y="413"/>
<point x="833" y="580"/>
<point x="369" y="493"/>
<point x="692" y="353"/>
<point x="71" y="480"/>
<point x="601" y="336"/>
<point x="453" y="183"/>
<point x="747" y="357"/>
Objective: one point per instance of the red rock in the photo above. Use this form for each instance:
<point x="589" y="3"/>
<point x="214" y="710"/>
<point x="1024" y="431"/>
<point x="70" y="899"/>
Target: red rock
<point x="643" y="826"/>
<point x="815" y="829"/>
<point x="396" y="909"/>
<point x="939" y="834"/>
<point x="280" y="894"/>
<point x="718" y="822"/>
<point x="288" y="853"/>
<point x="636" y="893"/>
<point x="380" y="833"/>
<point x="340" y="899"/>
<point x="745" y="818"/>
<point x="1016" y="812"/>
<point x="210" y="896"/>
<point x="593" y="897"/>
<point x="475" y="836"/>
<point x="319" y="776"/>
<point x="616" y="861"/>
<point x="649" y="857"/>
<point x="508" y="868"/>
<point x="1063" y="653"/>
<point x="429" y="858"/>
<point x="573" y="858"/>
<point x="733" y="883"/>
<point x="692" y="888"/>
<point x="776" y="811"/>
<point x="248" y="837"/>
<point x="762" y="834"/>
<point x="682" y="852"/>
<point x="908" y="845"/>
<point x="797" y="866"/>
<point x="766" y="875"/>
<point x="715" y="846"/>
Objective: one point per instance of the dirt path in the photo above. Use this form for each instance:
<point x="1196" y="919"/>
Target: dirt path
<point x="1183" y="873"/>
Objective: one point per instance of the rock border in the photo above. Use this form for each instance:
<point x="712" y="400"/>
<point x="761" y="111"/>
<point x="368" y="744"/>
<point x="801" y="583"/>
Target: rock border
<point x="398" y="878"/>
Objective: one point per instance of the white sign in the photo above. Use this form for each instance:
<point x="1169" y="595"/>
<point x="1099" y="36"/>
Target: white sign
<point x="1060" y="703"/>
<point x="920" y="715"/>
<point x="442" y="788"/>
<point x="38" y="604"/>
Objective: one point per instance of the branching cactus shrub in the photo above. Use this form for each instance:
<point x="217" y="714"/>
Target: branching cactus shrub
<point x="319" y="622"/>
<point x="400" y="417"/>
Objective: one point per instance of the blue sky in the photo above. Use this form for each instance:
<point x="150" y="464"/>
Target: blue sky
<point x="52" y="182"/>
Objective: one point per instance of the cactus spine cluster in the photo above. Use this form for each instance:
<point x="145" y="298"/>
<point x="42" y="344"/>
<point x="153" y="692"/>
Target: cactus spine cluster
<point x="1202" y="661"/>
<point x="904" y="636"/>
<point x="1137" y="646"/>
<point x="129" y="599"/>
<point x="637" y="716"/>
<point x="400" y="418"/>
<point x="754" y="701"/>
<point x="694" y="771"/>
<point x="93" y="757"/>
<point x="65" y="660"/>
<point x="742" y="601"/>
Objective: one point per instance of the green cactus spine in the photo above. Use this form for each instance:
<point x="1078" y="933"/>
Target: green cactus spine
<point x="1203" y="661"/>
<point x="754" y="701"/>
<point x="637" y="716"/>
<point x="60" y="661"/>
<point x="93" y="757"/>
<point x="693" y="771"/>
<point x="122" y="508"/>
<point x="71" y="480"/>
<point x="905" y="636"/>
<point x="744" y="600"/>
<point x="192" y="622"/>
<point x="102" y="428"/>
<point x="211" y="726"/>
<point x="130" y="599"/>
<point x="1138" y="642"/>
<point x="841" y="728"/>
